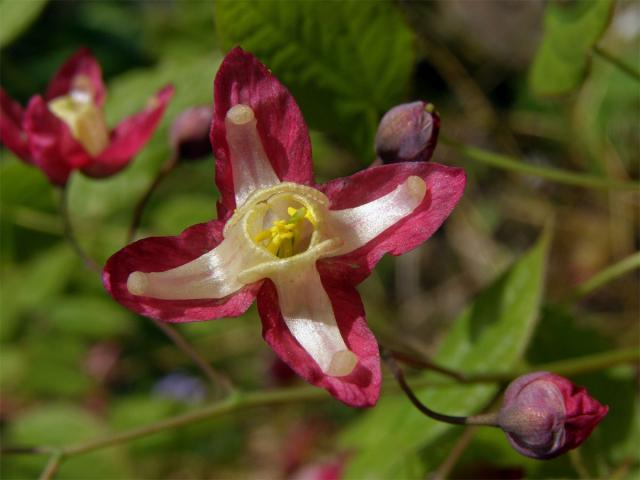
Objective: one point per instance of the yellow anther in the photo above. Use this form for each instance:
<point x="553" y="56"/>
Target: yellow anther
<point x="84" y="119"/>
<point x="282" y="237"/>
<point x="262" y="236"/>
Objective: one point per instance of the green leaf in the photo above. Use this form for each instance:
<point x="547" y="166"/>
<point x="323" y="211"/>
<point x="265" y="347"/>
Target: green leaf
<point x="95" y="202"/>
<point x="322" y="51"/>
<point x="33" y="286"/>
<point x="181" y="211"/>
<point x="570" y="30"/>
<point x="489" y="336"/>
<point x="14" y="365"/>
<point x="133" y="411"/>
<point x="16" y="17"/>
<point x="92" y="317"/>
<point x="55" y="367"/>
<point x="560" y="336"/>
<point x="58" y="425"/>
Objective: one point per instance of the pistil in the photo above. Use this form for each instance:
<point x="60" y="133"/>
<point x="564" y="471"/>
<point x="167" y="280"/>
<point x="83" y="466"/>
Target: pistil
<point x="84" y="118"/>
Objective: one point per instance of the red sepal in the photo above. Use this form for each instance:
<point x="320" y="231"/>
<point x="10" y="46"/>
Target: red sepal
<point x="361" y="388"/>
<point x="129" y="137"/>
<point x="82" y="63"/>
<point x="243" y="79"/>
<point x="445" y="186"/>
<point x="11" y="133"/>
<point x="582" y="411"/>
<point x="53" y="148"/>
<point x="157" y="254"/>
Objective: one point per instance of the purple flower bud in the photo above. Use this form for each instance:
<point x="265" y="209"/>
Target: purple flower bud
<point x="408" y="133"/>
<point x="189" y="135"/>
<point x="544" y="415"/>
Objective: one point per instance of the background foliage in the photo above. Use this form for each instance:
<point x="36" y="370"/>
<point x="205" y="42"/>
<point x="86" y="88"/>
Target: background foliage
<point x="493" y="291"/>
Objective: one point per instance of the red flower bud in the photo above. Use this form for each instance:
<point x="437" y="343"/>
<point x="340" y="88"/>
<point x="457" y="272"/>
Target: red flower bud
<point x="545" y="415"/>
<point x="189" y="135"/>
<point x="408" y="133"/>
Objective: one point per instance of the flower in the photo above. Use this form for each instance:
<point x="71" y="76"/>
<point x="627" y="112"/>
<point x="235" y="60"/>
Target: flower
<point x="299" y="247"/>
<point x="545" y="415"/>
<point x="66" y="130"/>
<point x="189" y="134"/>
<point x="329" y="470"/>
<point x="408" y="133"/>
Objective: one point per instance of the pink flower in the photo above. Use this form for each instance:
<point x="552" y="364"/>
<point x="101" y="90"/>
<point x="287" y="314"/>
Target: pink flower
<point x="299" y="247"/>
<point x="65" y="130"/>
<point x="408" y="133"/>
<point x="545" y="415"/>
<point x="330" y="470"/>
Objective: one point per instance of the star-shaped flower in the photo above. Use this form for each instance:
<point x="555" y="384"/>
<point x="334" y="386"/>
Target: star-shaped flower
<point x="299" y="247"/>
<point x="66" y="130"/>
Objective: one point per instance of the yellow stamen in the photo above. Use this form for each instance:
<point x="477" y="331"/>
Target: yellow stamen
<point x="84" y="118"/>
<point x="282" y="238"/>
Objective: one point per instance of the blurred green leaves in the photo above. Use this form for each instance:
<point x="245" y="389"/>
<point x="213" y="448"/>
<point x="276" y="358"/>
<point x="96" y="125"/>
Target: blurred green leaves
<point x="322" y="51"/>
<point x="570" y="30"/>
<point x="490" y="335"/>
<point x="58" y="425"/>
<point x="16" y="16"/>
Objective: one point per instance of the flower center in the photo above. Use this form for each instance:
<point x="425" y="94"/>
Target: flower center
<point x="286" y="238"/>
<point x="84" y="118"/>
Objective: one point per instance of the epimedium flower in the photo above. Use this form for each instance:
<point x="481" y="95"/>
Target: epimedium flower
<point x="408" y="133"/>
<point x="544" y="415"/>
<point x="65" y="129"/>
<point x="189" y="133"/>
<point x="297" y="246"/>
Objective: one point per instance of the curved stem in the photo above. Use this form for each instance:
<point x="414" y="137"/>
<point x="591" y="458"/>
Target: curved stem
<point x="233" y="403"/>
<point x="426" y="364"/>
<point x="616" y="62"/>
<point x="555" y="174"/>
<point x="605" y="276"/>
<point x="70" y="234"/>
<point x="52" y="466"/>
<point x="237" y="402"/>
<point x="440" y="417"/>
<point x="443" y="471"/>
<point x="217" y="379"/>
<point x="166" y="169"/>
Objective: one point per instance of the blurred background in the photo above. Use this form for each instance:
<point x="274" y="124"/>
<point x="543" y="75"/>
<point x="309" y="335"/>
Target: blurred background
<point x="519" y="78"/>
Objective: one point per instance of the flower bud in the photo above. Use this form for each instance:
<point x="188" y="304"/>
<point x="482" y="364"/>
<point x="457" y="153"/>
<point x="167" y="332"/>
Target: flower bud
<point x="408" y="133"/>
<point x="545" y="415"/>
<point x="189" y="133"/>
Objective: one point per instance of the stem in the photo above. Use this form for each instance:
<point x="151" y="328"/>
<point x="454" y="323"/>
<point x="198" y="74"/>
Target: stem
<point x="427" y="364"/>
<point x="555" y="174"/>
<point x="616" y="62"/>
<point x="217" y="379"/>
<point x="169" y="165"/>
<point x="454" y="455"/>
<point x="575" y="458"/>
<point x="52" y="466"/>
<point x="605" y="276"/>
<point x="399" y="375"/>
<point x="70" y="235"/>
<point x="591" y="363"/>
<point x="27" y="450"/>
<point x="237" y="402"/>
<point x="233" y="403"/>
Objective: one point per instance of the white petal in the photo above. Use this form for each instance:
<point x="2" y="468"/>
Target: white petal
<point x="308" y="314"/>
<point x="212" y="275"/>
<point x="249" y="163"/>
<point x="357" y="226"/>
